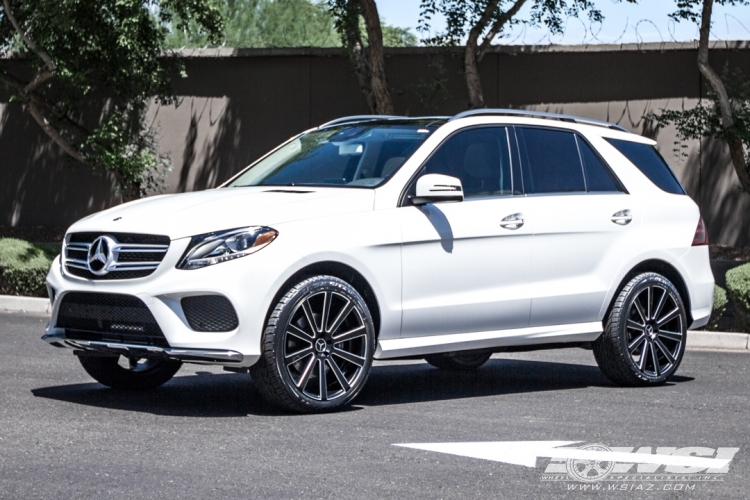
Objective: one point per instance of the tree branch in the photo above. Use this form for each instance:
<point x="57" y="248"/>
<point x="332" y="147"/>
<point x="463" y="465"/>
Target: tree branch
<point x="497" y="27"/>
<point x="736" y="148"/>
<point x="54" y="134"/>
<point x="27" y="39"/>
<point x="39" y="79"/>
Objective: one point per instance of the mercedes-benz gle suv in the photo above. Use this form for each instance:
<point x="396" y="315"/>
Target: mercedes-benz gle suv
<point x="373" y="237"/>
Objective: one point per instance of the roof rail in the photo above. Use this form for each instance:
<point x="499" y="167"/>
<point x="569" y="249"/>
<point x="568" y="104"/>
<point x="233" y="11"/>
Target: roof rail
<point x="538" y="114"/>
<point x="358" y="118"/>
<point x="367" y="118"/>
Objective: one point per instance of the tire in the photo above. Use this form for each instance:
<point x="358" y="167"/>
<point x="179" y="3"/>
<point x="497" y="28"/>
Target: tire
<point x="141" y="375"/>
<point x="644" y="339"/>
<point x="458" y="362"/>
<point x="317" y="347"/>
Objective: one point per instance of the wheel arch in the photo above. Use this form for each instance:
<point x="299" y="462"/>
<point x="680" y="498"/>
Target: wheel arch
<point x="660" y="267"/>
<point x="338" y="270"/>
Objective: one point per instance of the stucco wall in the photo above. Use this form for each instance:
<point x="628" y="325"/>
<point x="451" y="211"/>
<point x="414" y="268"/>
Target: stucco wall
<point x="237" y="104"/>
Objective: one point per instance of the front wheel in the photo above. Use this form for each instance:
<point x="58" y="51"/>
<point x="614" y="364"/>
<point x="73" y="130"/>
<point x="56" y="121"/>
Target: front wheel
<point x="317" y="347"/>
<point x="130" y="374"/>
<point x="644" y="339"/>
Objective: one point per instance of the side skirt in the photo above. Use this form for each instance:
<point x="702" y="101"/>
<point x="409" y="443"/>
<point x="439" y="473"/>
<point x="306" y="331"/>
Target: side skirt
<point x="417" y="346"/>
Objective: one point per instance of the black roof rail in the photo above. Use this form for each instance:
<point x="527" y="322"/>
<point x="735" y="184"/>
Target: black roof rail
<point x="538" y="114"/>
<point x="367" y="118"/>
<point x="358" y="118"/>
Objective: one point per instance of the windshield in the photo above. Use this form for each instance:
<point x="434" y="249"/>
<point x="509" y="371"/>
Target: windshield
<point x="353" y="155"/>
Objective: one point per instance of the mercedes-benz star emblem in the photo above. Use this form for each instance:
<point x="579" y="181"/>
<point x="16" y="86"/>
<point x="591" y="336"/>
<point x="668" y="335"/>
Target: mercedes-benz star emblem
<point x="320" y="345"/>
<point x="101" y="257"/>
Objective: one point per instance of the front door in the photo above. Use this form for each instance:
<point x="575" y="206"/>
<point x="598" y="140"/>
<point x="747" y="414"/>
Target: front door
<point x="466" y="264"/>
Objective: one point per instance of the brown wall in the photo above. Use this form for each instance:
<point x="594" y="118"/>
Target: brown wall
<point x="237" y="104"/>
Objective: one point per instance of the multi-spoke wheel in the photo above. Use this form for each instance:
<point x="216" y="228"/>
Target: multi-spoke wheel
<point x="132" y="374"/>
<point x="645" y="335"/>
<point x="458" y="361"/>
<point x="318" y="347"/>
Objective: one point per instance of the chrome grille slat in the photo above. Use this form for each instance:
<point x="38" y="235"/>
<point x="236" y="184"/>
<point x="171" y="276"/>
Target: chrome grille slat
<point x="141" y="255"/>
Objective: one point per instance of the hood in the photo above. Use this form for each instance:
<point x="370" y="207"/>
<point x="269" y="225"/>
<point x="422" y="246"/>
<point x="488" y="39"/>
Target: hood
<point x="190" y="214"/>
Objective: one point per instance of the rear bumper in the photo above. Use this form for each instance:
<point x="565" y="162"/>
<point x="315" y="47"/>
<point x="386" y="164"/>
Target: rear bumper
<point x="695" y="267"/>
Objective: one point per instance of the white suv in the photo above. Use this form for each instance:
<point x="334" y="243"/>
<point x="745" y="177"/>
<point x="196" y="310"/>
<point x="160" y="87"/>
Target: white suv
<point x="375" y="237"/>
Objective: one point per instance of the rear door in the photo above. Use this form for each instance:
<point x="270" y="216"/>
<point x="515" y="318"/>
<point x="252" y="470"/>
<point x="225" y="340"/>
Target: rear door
<point x="583" y="219"/>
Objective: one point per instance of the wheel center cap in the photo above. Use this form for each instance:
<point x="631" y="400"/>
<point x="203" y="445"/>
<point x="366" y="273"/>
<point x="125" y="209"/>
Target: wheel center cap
<point x="650" y="331"/>
<point x="320" y="345"/>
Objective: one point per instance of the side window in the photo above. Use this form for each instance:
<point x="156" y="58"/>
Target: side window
<point x="649" y="161"/>
<point x="477" y="156"/>
<point x="552" y="161"/>
<point x="598" y="177"/>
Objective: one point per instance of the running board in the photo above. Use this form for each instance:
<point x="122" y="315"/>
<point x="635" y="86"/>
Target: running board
<point x="417" y="346"/>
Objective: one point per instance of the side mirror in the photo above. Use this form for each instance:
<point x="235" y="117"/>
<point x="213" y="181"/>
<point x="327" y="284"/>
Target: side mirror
<point x="434" y="188"/>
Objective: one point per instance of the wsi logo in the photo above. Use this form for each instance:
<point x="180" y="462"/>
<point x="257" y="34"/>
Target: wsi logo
<point x="597" y="462"/>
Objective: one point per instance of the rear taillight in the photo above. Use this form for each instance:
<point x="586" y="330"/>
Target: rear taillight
<point x="701" y="235"/>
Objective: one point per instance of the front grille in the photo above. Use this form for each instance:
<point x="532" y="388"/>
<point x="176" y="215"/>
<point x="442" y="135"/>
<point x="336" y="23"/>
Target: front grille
<point x="109" y="317"/>
<point x="209" y="313"/>
<point x="133" y="255"/>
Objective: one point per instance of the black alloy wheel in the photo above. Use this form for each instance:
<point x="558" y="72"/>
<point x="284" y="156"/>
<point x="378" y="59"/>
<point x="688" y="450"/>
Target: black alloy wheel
<point x="318" y="347"/>
<point x="644" y="341"/>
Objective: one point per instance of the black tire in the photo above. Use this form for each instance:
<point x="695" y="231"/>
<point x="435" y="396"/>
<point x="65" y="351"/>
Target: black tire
<point x="645" y="334"/>
<point x="300" y="348"/>
<point x="458" y="361"/>
<point x="142" y="375"/>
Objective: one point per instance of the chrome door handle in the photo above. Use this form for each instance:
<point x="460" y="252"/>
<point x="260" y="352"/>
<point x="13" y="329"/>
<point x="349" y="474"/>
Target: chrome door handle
<point x="623" y="217"/>
<point x="513" y="221"/>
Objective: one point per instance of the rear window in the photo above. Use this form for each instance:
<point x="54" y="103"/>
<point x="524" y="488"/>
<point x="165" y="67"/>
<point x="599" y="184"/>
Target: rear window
<point x="650" y="162"/>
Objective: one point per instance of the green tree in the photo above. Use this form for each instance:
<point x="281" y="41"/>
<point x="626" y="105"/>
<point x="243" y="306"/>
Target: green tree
<point x="280" y="23"/>
<point x="90" y="71"/>
<point x="726" y="114"/>
<point x="477" y="23"/>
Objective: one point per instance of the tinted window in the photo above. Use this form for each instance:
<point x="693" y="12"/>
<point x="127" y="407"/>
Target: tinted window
<point x="552" y="161"/>
<point x="479" y="157"/>
<point x="649" y="161"/>
<point x="598" y="178"/>
<point x="360" y="155"/>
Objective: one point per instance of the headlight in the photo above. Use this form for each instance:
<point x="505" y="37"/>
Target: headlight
<point x="213" y="248"/>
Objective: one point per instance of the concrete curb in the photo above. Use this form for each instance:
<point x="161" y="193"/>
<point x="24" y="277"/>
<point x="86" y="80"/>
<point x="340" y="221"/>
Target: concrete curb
<point x="727" y="341"/>
<point x="697" y="340"/>
<point x="12" y="303"/>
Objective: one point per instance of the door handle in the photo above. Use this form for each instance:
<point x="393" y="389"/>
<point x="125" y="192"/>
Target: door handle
<point x="623" y="217"/>
<point x="513" y="221"/>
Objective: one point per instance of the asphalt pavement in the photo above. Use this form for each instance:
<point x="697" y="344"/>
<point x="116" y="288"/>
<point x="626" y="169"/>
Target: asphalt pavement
<point x="208" y="434"/>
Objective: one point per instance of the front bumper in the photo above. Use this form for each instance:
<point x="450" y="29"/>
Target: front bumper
<point x="249" y="283"/>
<point x="141" y="351"/>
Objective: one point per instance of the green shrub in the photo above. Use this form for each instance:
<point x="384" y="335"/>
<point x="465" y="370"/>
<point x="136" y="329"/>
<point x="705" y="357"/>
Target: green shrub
<point x="738" y="288"/>
<point x="720" y="306"/>
<point x="24" y="267"/>
<point x="738" y="285"/>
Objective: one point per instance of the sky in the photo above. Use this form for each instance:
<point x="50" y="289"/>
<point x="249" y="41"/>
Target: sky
<point x="647" y="21"/>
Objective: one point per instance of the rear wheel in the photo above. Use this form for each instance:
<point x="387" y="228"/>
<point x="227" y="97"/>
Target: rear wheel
<point x="132" y="374"/>
<point x="317" y="347"/>
<point x="458" y="362"/>
<point x="644" y="339"/>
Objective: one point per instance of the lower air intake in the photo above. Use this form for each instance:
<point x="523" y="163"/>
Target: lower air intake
<point x="209" y="313"/>
<point x="109" y="317"/>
